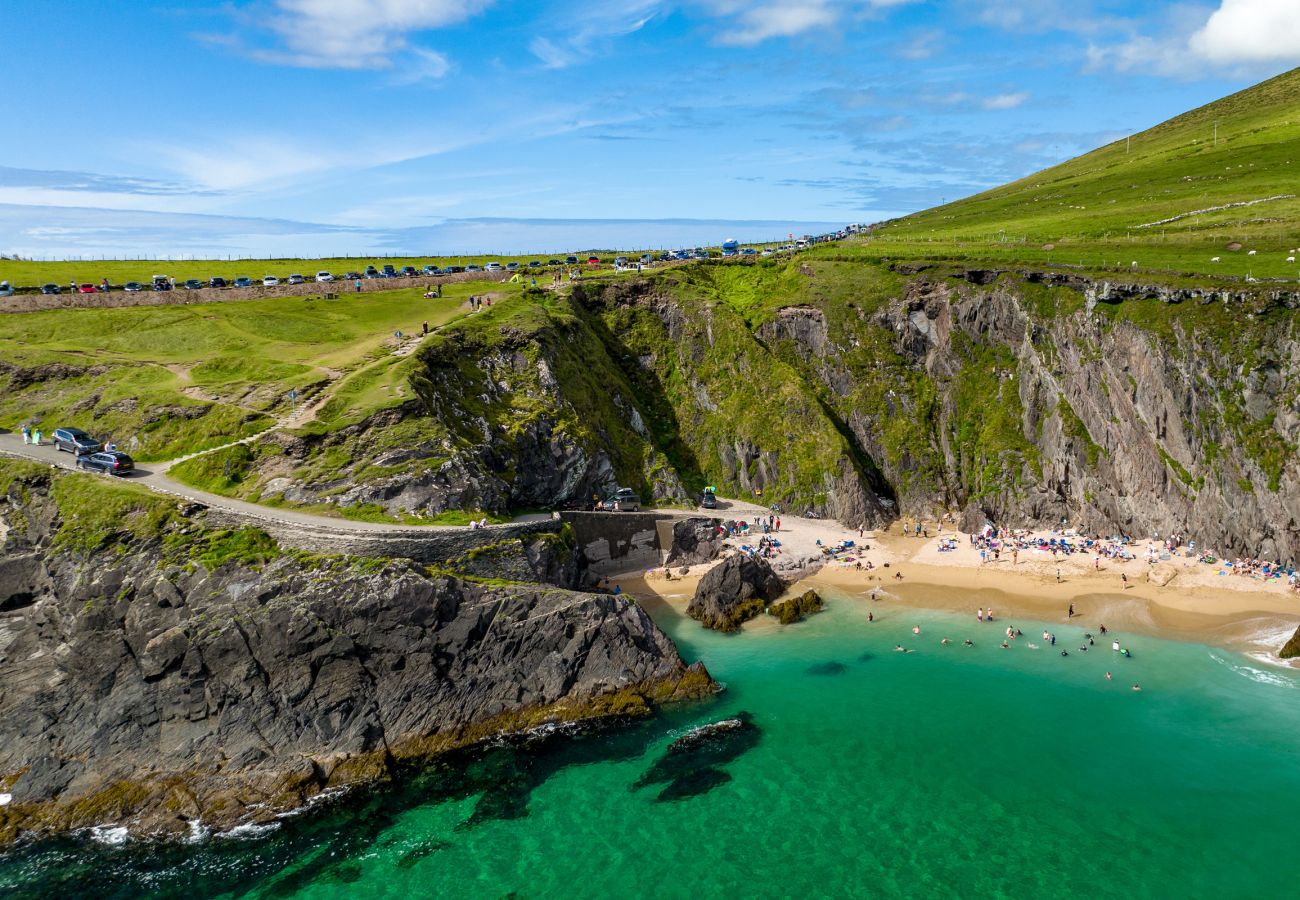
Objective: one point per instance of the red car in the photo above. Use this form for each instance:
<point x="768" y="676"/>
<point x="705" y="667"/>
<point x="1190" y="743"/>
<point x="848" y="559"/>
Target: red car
<point x="87" y="288"/>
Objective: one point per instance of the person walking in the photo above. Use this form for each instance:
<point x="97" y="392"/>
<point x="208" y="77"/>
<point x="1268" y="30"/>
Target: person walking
<point x="426" y="329"/>
<point x="358" y="285"/>
<point x="27" y="434"/>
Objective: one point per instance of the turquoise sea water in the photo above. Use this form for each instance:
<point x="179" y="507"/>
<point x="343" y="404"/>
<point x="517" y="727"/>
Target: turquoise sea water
<point x="942" y="772"/>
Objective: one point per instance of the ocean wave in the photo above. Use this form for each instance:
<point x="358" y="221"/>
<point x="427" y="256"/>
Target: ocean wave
<point x="1259" y="676"/>
<point x="112" y="835"/>
<point x="249" y="831"/>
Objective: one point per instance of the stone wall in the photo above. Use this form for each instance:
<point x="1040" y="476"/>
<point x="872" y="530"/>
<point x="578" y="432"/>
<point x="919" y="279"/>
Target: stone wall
<point x="623" y="542"/>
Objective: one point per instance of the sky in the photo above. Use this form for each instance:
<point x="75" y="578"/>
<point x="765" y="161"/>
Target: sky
<point x="322" y="127"/>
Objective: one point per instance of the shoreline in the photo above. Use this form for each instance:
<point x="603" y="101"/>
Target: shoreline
<point x="1179" y="600"/>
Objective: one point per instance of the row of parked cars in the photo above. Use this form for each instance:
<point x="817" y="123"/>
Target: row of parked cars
<point x="91" y="454"/>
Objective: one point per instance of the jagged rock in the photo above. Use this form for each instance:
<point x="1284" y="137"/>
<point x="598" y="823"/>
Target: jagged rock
<point x="796" y="609"/>
<point x="144" y="688"/>
<point x="973" y="519"/>
<point x="1292" y="648"/>
<point x="733" y="592"/>
<point x="694" y="541"/>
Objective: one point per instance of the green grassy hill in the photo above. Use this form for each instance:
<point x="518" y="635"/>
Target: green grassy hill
<point x="1143" y="199"/>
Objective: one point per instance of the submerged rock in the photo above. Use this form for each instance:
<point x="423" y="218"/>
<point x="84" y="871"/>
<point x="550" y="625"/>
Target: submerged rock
<point x="796" y="609"/>
<point x="690" y="765"/>
<point x="733" y="592"/>
<point x="828" y="668"/>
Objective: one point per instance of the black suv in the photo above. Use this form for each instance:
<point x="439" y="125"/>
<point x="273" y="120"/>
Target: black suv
<point x="111" y="462"/>
<point x="75" y="441"/>
<point x="708" y="500"/>
<point x="217" y="282"/>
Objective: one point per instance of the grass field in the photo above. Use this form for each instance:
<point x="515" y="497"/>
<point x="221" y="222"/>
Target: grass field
<point x="1101" y="209"/>
<point x="181" y="378"/>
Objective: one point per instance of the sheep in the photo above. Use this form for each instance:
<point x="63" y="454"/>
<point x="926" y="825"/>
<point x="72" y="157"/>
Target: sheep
<point x="1290" y="259"/>
<point x="1214" y="259"/>
<point x="1250" y="252"/>
<point x="1134" y="264"/>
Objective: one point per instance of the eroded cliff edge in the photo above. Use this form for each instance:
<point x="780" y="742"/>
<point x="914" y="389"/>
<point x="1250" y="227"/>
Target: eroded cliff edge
<point x="156" y="671"/>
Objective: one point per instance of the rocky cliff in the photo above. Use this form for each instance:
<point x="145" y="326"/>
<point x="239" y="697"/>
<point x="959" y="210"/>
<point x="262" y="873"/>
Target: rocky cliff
<point x="856" y="390"/>
<point x="155" y="671"/>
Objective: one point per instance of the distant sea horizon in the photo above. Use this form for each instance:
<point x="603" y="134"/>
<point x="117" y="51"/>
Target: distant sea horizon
<point x="58" y="233"/>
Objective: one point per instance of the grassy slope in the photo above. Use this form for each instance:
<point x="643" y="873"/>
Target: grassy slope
<point x="1090" y="206"/>
<point x="144" y="372"/>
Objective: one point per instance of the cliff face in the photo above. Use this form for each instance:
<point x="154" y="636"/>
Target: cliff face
<point x="154" y="671"/>
<point x="854" y="390"/>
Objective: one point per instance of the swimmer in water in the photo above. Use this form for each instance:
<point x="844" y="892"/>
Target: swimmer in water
<point x="1108" y="676"/>
<point x="1065" y="652"/>
<point x="968" y="643"/>
<point x="1136" y="686"/>
<point x="1005" y="645"/>
<point x="898" y="648"/>
<point x="916" y="629"/>
<point x="871" y="617"/>
<point x="945" y="642"/>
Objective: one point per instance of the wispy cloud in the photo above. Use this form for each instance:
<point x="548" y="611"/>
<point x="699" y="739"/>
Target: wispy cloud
<point x="751" y="22"/>
<point x="91" y="182"/>
<point x="594" y="26"/>
<point x="355" y="34"/>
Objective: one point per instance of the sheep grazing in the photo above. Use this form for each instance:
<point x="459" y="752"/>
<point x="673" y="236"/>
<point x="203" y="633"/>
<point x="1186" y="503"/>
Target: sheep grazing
<point x="1214" y="259"/>
<point x="1290" y="259"/>
<point x="1250" y="252"/>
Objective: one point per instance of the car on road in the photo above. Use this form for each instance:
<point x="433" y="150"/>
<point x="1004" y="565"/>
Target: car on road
<point x="269" y="281"/>
<point x="410" y="271"/>
<point x="160" y="283"/>
<point x="708" y="500"/>
<point x="297" y="279"/>
<point x="324" y="277"/>
<point x="50" y="288"/>
<point x="622" y="500"/>
<point x="242" y="281"/>
<point x="75" y="441"/>
<point x="217" y="281"/>
<point x="193" y="284"/>
<point x="110" y="462"/>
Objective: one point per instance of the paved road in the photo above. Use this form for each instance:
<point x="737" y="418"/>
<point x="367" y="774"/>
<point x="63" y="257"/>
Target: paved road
<point x="152" y="477"/>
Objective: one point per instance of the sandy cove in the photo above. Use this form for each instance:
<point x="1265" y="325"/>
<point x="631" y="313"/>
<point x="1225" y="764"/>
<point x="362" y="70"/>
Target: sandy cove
<point x="1179" y="598"/>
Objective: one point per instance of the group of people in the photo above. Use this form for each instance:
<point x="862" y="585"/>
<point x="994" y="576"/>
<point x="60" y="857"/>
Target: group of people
<point x="31" y="435"/>
<point x="476" y="524"/>
<point x="476" y="303"/>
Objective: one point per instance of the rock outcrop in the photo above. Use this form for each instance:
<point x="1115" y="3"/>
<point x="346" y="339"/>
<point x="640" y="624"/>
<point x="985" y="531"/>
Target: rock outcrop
<point x="1292" y="648"/>
<point x="154" y="672"/>
<point x="694" y="541"/>
<point x="796" y="609"/>
<point x="733" y="592"/>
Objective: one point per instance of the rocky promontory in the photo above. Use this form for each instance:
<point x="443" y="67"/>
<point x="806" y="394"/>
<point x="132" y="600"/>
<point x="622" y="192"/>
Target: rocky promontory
<point x="1292" y="648"/>
<point x="156" y="672"/>
<point x="733" y="592"/>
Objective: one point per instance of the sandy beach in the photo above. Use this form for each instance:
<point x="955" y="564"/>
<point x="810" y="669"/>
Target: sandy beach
<point x="1180" y="597"/>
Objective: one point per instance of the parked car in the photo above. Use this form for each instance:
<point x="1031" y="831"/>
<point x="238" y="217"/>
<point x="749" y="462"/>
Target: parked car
<point x="410" y="271"/>
<point x="75" y="441"/>
<point x="372" y="272"/>
<point x="593" y="260"/>
<point x="620" y="261"/>
<point x="352" y="276"/>
<point x="110" y="462"/>
<point x="473" y="268"/>
<point x="217" y="282"/>
<point x="50" y="288"/>
<point x="390" y="271"/>
<point x="269" y="281"/>
<point x="570" y="260"/>
<point x="297" y="279"/>
<point x="709" y="500"/>
<point x="646" y="259"/>
<point x="160" y="283"/>
<point x="622" y="500"/>
<point x="87" y="288"/>
<point x="452" y="270"/>
<point x="193" y="284"/>
<point x="535" y="264"/>
<point x="6" y="289"/>
<point x="431" y="270"/>
<point x="241" y="281"/>
<point x="510" y="267"/>
<point x="492" y="267"/>
<point x="324" y="277"/>
<point x="554" y="262"/>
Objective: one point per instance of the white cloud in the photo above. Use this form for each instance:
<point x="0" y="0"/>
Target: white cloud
<point x="594" y="24"/>
<point x="1004" y="101"/>
<point x="1241" y="34"/>
<point x="778" y="19"/>
<point x="363" y="34"/>
<point x="1250" y="31"/>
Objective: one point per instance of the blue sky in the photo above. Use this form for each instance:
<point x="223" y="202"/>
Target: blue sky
<point x="322" y="126"/>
